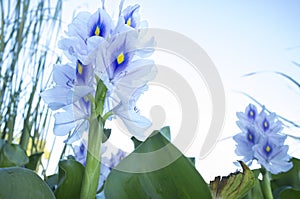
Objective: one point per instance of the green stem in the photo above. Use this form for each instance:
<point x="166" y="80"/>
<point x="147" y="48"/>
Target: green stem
<point x="93" y="163"/>
<point x="266" y="185"/>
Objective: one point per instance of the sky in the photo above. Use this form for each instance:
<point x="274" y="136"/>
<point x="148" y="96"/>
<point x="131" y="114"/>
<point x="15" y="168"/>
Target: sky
<point x="240" y="37"/>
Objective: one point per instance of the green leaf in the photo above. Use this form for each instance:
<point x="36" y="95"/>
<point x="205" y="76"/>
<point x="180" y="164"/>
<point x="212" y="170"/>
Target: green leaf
<point x="12" y="155"/>
<point x="165" y="131"/>
<point x="192" y="159"/>
<point x="156" y="169"/>
<point x="106" y="135"/>
<point x="136" y="142"/>
<point x="289" y="194"/>
<point x="234" y="186"/>
<point x="52" y="181"/>
<point x="256" y="191"/>
<point x="290" y="178"/>
<point x="100" y="96"/>
<point x="2" y="142"/>
<point x="21" y="183"/>
<point x="33" y="161"/>
<point x="70" y="178"/>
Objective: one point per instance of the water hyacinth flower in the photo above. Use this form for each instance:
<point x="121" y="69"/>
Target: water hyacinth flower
<point x="72" y="85"/>
<point x="85" y="33"/>
<point x="261" y="139"/>
<point x="131" y="17"/>
<point x="272" y="155"/>
<point x="117" y="59"/>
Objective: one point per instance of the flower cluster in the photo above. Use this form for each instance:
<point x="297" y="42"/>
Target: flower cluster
<point x="261" y="139"/>
<point x="114" y="54"/>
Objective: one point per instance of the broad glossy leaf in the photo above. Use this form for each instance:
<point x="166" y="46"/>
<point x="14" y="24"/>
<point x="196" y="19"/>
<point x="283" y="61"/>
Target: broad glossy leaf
<point x="70" y="178"/>
<point x="290" y="178"/>
<point x="52" y="181"/>
<point x="22" y="183"/>
<point x="12" y="155"/>
<point x="136" y="142"/>
<point x="290" y="194"/>
<point x="33" y="161"/>
<point x="2" y="142"/>
<point x="106" y="135"/>
<point x="156" y="169"/>
<point x="165" y="131"/>
<point x="234" y="186"/>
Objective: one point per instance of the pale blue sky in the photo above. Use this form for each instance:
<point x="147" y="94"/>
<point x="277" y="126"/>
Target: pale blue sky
<point x="240" y="37"/>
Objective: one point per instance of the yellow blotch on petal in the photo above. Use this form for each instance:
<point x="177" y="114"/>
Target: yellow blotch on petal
<point x="251" y="113"/>
<point x="250" y="136"/>
<point x="120" y="58"/>
<point x="128" y="22"/>
<point x="97" y="31"/>
<point x="266" y="124"/>
<point x="268" y="149"/>
<point x="79" y="68"/>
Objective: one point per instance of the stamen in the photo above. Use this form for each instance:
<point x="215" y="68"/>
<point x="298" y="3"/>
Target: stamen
<point x="268" y="149"/>
<point x="251" y="113"/>
<point x="120" y="58"/>
<point x="79" y="68"/>
<point x="250" y="136"/>
<point x="97" y="31"/>
<point x="128" y="21"/>
<point x="266" y="124"/>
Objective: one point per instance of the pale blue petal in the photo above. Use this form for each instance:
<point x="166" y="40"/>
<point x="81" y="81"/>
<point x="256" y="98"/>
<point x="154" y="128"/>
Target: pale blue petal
<point x="63" y="129"/>
<point x="135" y="123"/>
<point x="78" y="131"/>
<point x="65" y="120"/>
<point x="64" y="75"/>
<point x="74" y="48"/>
<point x="57" y="97"/>
<point x="81" y="91"/>
<point x="137" y="75"/>
<point x="60" y="96"/>
<point x="78" y="27"/>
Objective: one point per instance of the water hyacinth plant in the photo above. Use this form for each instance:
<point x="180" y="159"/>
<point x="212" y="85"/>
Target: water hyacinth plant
<point x="105" y="77"/>
<point x="108" y="68"/>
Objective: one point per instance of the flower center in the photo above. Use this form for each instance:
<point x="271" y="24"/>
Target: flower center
<point x="268" y="149"/>
<point x="250" y="136"/>
<point x="265" y="125"/>
<point x="128" y="21"/>
<point x="79" y="68"/>
<point x="97" y="31"/>
<point x="120" y="58"/>
<point x="251" y="114"/>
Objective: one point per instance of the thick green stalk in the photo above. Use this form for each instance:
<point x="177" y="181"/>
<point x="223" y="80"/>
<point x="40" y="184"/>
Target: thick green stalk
<point x="93" y="161"/>
<point x="266" y="185"/>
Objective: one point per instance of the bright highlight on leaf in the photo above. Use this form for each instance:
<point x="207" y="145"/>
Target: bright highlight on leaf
<point x="234" y="186"/>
